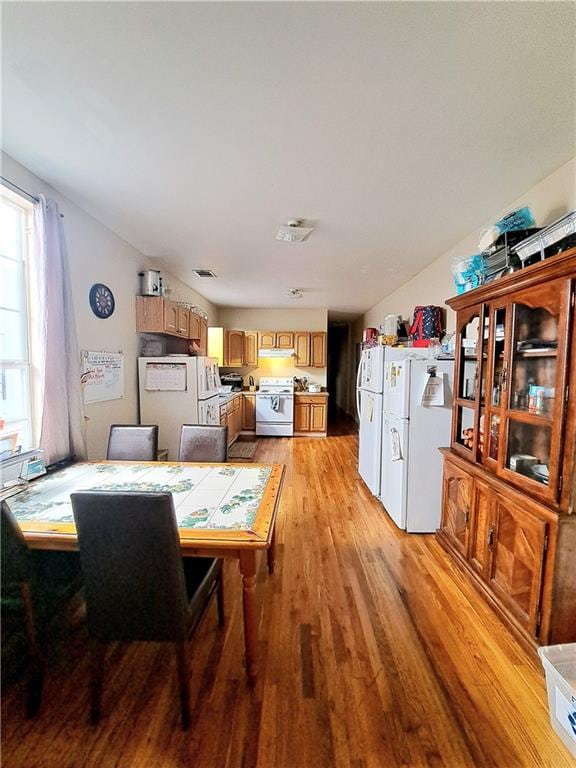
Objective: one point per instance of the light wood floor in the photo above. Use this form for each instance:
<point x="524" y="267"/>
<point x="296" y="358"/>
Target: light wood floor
<point x="375" y="651"/>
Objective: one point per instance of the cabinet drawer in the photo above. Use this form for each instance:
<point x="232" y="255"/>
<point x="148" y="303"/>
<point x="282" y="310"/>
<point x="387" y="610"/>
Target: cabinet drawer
<point x="310" y="399"/>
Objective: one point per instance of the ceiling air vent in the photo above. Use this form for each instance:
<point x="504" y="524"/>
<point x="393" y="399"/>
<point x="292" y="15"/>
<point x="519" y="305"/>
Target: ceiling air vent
<point x="203" y="273"/>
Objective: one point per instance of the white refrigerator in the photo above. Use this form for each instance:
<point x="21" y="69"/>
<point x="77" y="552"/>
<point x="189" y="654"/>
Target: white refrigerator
<point x="369" y="385"/>
<point x="176" y="391"/>
<point x="415" y="424"/>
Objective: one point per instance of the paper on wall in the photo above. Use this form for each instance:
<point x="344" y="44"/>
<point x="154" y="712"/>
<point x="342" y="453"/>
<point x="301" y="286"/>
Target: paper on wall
<point x="433" y="392"/>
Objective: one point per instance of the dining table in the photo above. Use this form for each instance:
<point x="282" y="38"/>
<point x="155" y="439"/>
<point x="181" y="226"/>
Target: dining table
<point x="222" y="510"/>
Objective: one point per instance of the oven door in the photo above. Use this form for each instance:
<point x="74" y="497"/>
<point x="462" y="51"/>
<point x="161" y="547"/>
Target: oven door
<point x="266" y="410"/>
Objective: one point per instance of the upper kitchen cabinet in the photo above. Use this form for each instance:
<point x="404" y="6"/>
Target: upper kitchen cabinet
<point x="266" y="340"/>
<point x="284" y="340"/>
<point x="318" y="349"/>
<point x="302" y="349"/>
<point x="251" y="348"/>
<point x="276" y="340"/>
<point x="227" y="346"/>
<point x="234" y="349"/>
<point x="158" y="315"/>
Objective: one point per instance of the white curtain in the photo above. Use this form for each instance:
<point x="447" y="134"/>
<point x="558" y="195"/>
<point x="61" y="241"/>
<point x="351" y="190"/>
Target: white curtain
<point x="59" y="412"/>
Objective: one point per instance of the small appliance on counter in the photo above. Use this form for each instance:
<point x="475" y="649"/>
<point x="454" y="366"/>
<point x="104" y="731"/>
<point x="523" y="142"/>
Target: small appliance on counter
<point x="233" y="380"/>
<point x="314" y="388"/>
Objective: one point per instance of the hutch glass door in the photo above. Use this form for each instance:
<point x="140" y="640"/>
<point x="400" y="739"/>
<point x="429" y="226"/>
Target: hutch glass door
<point x="535" y="386"/>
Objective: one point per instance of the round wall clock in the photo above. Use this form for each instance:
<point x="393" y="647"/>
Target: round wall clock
<point x="101" y="300"/>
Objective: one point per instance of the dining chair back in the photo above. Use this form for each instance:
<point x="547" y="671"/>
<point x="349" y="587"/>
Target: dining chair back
<point x="136" y="583"/>
<point x="200" y="442"/>
<point x="35" y="587"/>
<point x="132" y="442"/>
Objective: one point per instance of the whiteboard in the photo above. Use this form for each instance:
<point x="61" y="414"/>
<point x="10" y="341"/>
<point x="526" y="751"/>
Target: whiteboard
<point x="102" y="376"/>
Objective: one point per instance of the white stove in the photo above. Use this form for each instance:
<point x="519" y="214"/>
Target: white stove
<point x="275" y="407"/>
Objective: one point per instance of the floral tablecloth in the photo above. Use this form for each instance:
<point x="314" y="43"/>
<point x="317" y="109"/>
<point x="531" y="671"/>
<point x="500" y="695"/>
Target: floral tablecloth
<point x="223" y="497"/>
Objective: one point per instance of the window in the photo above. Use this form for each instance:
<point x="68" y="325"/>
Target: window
<point x="16" y="402"/>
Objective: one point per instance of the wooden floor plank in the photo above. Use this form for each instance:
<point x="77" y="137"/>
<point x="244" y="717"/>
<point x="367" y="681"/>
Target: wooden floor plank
<point x="376" y="652"/>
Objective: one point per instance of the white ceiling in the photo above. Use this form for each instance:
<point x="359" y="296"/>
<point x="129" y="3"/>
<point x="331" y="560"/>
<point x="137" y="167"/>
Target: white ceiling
<point x="194" y="129"/>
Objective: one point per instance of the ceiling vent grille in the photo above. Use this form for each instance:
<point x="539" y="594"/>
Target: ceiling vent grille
<point x="203" y="273"/>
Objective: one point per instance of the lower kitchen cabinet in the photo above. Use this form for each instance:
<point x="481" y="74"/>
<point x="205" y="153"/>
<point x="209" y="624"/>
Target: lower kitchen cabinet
<point x="311" y="413"/>
<point x="249" y="412"/>
<point x="231" y="417"/>
<point x="514" y="548"/>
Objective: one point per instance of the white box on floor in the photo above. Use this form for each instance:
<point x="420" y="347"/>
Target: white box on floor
<point x="559" y="663"/>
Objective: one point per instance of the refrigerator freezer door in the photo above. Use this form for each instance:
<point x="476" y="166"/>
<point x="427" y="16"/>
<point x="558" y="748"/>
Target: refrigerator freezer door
<point x="429" y="430"/>
<point x="370" y="439"/>
<point x="397" y="388"/>
<point x="395" y="457"/>
<point x="371" y="372"/>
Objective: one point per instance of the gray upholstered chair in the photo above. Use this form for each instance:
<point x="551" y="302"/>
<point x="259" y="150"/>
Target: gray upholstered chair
<point x="138" y="586"/>
<point x="199" y="442"/>
<point x="36" y="585"/>
<point x="132" y="442"/>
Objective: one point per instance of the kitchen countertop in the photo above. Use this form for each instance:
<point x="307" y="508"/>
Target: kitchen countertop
<point x="228" y="397"/>
<point x="312" y="394"/>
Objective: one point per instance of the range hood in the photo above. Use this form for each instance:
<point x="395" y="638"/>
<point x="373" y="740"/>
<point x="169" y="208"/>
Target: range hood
<point x="275" y="353"/>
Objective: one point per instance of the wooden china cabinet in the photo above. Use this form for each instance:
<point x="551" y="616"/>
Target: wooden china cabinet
<point x="509" y="495"/>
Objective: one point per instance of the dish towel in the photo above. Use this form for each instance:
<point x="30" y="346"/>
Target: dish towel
<point x="275" y="402"/>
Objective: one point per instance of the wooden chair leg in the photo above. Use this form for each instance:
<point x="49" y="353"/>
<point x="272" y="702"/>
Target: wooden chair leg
<point x="220" y="600"/>
<point x="36" y="673"/>
<point x="183" y="684"/>
<point x="98" y="655"/>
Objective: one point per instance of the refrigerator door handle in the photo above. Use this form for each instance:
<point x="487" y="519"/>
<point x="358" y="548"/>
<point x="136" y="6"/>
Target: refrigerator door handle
<point x="358" y="375"/>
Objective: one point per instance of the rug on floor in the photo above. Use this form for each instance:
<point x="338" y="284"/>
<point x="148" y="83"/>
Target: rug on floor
<point x="242" y="450"/>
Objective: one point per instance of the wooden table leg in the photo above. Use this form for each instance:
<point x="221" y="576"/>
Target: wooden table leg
<point x="248" y="571"/>
<point x="271" y="553"/>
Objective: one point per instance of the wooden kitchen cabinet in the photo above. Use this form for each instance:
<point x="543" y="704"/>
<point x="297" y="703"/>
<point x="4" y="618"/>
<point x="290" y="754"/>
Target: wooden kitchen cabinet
<point x="318" y="349"/>
<point x="154" y="314"/>
<point x="509" y="483"/>
<point x="203" y="338"/>
<point x="302" y="349"/>
<point x="194" y="326"/>
<point x="171" y="319"/>
<point x="249" y="412"/>
<point x="266" y="340"/>
<point x="310" y="413"/>
<point x="284" y="340"/>
<point x="234" y="349"/>
<point x="231" y="417"/>
<point x="183" y="322"/>
<point x="251" y="348"/>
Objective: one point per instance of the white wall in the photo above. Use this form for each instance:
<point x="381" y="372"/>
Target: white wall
<point x="97" y="255"/>
<point x="551" y="198"/>
<point x="276" y="320"/>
